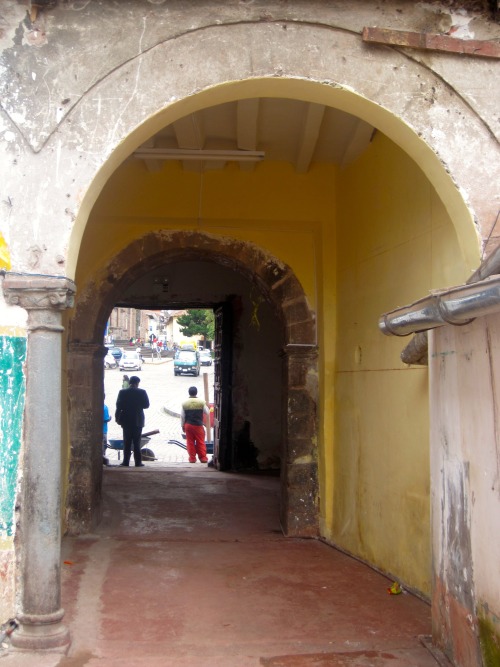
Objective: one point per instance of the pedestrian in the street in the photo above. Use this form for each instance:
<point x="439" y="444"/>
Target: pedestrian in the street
<point x="193" y="414"/>
<point x="107" y="419"/>
<point x="130" y="406"/>
<point x="125" y="382"/>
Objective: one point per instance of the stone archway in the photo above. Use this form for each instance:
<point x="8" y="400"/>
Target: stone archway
<point x="299" y="506"/>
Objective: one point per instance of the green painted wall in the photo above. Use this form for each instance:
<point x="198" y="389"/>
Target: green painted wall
<point x="12" y="390"/>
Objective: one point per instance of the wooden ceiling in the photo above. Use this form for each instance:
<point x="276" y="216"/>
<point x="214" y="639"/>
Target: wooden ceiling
<point x="249" y="130"/>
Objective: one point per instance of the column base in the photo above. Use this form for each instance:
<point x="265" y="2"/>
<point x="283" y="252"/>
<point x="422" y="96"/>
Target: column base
<point x="44" y="632"/>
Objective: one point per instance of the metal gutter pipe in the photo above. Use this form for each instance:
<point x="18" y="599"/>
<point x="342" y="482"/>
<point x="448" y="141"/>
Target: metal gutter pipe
<point x="457" y="306"/>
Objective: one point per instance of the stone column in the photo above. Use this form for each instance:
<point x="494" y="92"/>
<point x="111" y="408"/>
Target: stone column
<point x="39" y="537"/>
<point x="299" y="503"/>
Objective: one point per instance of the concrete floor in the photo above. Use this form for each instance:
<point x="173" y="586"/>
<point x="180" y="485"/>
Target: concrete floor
<point x="189" y="569"/>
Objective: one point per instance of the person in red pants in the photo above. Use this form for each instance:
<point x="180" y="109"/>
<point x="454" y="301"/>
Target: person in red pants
<point x="192" y="418"/>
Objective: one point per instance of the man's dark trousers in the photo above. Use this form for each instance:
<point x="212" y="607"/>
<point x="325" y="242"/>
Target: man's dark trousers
<point x="132" y="438"/>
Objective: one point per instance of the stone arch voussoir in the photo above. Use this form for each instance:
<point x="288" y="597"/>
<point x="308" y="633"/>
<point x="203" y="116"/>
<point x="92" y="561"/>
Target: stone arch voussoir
<point x="278" y="282"/>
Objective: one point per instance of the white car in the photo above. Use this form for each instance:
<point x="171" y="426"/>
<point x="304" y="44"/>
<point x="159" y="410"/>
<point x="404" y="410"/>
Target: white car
<point x="131" y="361"/>
<point x="110" y="361"/>
<point x="205" y="358"/>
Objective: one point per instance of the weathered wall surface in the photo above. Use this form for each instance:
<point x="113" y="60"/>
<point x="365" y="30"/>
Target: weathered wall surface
<point x="54" y="107"/>
<point x="465" y="469"/>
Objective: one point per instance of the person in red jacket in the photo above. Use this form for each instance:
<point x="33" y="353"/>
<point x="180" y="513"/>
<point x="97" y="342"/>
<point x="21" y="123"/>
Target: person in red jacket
<point x="193" y="415"/>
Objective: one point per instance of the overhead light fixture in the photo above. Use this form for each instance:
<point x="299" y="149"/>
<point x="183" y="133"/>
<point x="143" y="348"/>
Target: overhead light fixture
<point x="198" y="154"/>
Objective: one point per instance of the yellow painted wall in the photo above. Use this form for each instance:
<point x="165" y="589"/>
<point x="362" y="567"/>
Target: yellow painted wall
<point x="273" y="207"/>
<point x="395" y="242"/>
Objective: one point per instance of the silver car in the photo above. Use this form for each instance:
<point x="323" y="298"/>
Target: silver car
<point x="205" y="358"/>
<point x="110" y="361"/>
<point x="131" y="361"/>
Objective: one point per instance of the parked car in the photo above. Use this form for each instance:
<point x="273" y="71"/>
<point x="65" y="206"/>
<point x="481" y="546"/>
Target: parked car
<point x="110" y="361"/>
<point x="116" y="352"/>
<point x="205" y="358"/>
<point x="187" y="361"/>
<point x="130" y="361"/>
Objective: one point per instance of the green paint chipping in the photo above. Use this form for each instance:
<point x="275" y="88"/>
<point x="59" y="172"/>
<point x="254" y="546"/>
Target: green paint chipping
<point x="12" y="392"/>
<point x="490" y="643"/>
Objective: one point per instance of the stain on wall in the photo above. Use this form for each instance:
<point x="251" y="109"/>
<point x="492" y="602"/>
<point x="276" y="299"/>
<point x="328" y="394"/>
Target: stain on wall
<point x="12" y="390"/>
<point x="490" y="640"/>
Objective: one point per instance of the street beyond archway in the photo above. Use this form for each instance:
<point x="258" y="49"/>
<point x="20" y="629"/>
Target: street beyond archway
<point x="166" y="393"/>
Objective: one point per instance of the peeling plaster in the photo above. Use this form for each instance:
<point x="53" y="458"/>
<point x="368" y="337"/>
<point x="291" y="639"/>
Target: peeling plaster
<point x="457" y="522"/>
<point x="12" y="389"/>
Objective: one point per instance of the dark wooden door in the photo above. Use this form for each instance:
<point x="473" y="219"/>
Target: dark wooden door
<point x="222" y="387"/>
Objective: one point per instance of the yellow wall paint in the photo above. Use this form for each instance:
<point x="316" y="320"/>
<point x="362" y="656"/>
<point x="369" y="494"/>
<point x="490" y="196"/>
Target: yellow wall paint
<point x="395" y="243"/>
<point x="273" y="207"/>
<point x="4" y="254"/>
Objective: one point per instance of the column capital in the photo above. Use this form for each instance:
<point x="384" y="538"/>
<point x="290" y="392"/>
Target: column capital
<point x="38" y="292"/>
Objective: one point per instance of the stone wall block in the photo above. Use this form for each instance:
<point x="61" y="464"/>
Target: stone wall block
<point x="82" y="448"/>
<point x="299" y="448"/>
<point x="301" y="426"/>
<point x="286" y="288"/>
<point x="275" y="275"/>
<point x="300" y="516"/>
<point x="80" y="473"/>
<point x="300" y="402"/>
<point x="296" y="310"/>
<point x="149" y="246"/>
<point x="301" y="333"/>
<point x="300" y="367"/>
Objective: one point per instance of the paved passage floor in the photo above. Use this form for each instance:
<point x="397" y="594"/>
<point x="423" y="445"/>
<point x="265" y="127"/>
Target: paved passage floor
<point x="189" y="568"/>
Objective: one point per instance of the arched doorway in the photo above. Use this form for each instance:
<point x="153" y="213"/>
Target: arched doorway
<point x="315" y="223"/>
<point x="296" y="408"/>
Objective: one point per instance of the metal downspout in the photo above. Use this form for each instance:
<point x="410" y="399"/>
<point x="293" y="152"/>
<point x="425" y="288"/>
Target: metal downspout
<point x="456" y="306"/>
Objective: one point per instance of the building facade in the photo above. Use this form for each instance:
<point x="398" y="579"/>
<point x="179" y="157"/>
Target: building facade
<point x="305" y="168"/>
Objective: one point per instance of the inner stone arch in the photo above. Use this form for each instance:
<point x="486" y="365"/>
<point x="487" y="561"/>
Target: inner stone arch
<point x="299" y="387"/>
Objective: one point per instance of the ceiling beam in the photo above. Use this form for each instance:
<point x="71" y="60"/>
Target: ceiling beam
<point x="151" y="165"/>
<point x="247" y="120"/>
<point x="309" y="137"/>
<point x="358" y="142"/>
<point x="189" y="134"/>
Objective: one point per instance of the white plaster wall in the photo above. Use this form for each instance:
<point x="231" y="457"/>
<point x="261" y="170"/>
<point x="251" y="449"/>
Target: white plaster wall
<point x="73" y="99"/>
<point x="12" y="318"/>
<point x="465" y="462"/>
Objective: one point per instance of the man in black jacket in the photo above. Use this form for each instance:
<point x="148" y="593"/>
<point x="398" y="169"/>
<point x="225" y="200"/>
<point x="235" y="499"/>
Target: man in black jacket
<point x="130" y="406"/>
